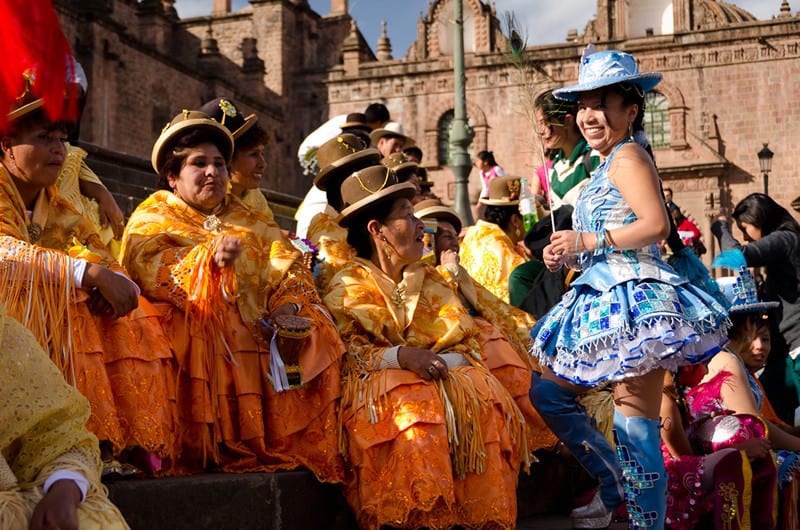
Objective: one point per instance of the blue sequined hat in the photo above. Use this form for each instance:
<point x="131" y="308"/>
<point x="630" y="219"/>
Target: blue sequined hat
<point x="604" y="68"/>
<point x="741" y="291"/>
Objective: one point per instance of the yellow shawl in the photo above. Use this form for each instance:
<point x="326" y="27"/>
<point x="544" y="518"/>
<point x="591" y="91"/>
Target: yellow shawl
<point x="489" y="256"/>
<point x="169" y="252"/>
<point x="37" y="286"/>
<point x="42" y="429"/>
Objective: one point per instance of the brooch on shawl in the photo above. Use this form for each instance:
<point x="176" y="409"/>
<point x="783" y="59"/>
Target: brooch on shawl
<point x="34" y="232"/>
<point x="212" y="223"/>
<point x="399" y="295"/>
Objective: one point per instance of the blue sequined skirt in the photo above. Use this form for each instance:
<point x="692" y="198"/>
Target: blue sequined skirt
<point x="593" y="337"/>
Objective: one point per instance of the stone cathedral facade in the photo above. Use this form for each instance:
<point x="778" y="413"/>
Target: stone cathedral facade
<point x="731" y="84"/>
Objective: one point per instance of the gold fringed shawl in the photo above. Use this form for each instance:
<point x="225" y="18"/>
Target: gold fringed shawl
<point x="36" y="283"/>
<point x="372" y="316"/>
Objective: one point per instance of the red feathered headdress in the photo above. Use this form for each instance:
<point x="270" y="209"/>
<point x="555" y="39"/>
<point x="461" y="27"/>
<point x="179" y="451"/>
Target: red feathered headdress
<point x="37" y="60"/>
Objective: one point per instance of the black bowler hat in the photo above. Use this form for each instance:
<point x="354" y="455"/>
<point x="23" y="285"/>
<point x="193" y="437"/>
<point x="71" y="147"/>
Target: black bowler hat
<point x="224" y="111"/>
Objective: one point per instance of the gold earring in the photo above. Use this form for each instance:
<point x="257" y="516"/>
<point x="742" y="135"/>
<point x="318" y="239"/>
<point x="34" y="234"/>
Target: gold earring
<point x="13" y="164"/>
<point x="387" y="248"/>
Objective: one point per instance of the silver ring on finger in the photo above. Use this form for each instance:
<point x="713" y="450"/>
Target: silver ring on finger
<point x="437" y="363"/>
<point x="431" y="369"/>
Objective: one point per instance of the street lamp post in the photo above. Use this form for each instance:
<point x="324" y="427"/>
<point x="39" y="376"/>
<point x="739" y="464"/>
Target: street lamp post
<point x="460" y="132"/>
<point x="765" y="163"/>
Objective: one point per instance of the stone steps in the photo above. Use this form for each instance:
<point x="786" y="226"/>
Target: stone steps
<point x="295" y="500"/>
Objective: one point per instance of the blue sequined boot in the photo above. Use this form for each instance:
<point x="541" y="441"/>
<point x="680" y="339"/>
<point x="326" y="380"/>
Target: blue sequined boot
<point x="638" y="441"/>
<point x="566" y="417"/>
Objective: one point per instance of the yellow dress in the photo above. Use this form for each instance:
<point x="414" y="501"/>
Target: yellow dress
<point x="256" y="200"/>
<point x="504" y="339"/>
<point x="424" y="454"/>
<point x="121" y="365"/>
<point x="230" y="416"/>
<point x="489" y="256"/>
<point x="72" y="172"/>
<point x="42" y="430"/>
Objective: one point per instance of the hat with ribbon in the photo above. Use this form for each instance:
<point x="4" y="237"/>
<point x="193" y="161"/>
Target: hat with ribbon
<point x="367" y="187"/>
<point x="227" y="113"/>
<point x="605" y="68"/>
<point x="391" y="129"/>
<point x="184" y="123"/>
<point x="400" y="163"/>
<point x="340" y="156"/>
<point x="434" y="209"/>
<point x="503" y="191"/>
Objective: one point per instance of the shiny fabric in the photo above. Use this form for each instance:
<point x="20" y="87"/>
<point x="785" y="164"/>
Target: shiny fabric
<point x="255" y="199"/>
<point x="504" y="341"/>
<point x="489" y="256"/>
<point x="331" y="240"/>
<point x="122" y="366"/>
<point x="750" y="500"/>
<point x="42" y="430"/>
<point x="400" y="430"/>
<point x="628" y="312"/>
<point x="230" y="416"/>
<point x="72" y="172"/>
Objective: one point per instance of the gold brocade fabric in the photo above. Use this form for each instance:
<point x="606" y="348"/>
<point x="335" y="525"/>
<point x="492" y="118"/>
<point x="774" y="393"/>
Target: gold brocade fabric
<point x="230" y="415"/>
<point x="397" y="426"/>
<point x="120" y="365"/>
<point x="256" y="201"/>
<point x="331" y="240"/>
<point x="72" y="172"/>
<point x="504" y="338"/>
<point x="489" y="256"/>
<point x="42" y="429"/>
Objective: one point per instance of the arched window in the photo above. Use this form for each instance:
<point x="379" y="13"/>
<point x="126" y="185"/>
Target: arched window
<point x="444" y="137"/>
<point x="656" y="119"/>
<point x="443" y="130"/>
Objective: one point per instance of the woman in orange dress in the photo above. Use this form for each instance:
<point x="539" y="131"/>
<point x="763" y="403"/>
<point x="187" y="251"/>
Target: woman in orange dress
<point x="216" y="269"/>
<point x="59" y="280"/>
<point x="435" y="440"/>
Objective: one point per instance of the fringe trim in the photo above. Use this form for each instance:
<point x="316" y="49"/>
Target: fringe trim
<point x="41" y="299"/>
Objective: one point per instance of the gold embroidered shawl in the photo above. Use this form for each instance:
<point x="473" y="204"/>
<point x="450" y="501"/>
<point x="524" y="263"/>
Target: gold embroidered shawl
<point x="489" y="256"/>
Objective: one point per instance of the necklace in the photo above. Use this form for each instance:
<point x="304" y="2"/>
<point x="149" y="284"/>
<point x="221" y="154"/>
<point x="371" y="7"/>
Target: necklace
<point x="399" y="295"/>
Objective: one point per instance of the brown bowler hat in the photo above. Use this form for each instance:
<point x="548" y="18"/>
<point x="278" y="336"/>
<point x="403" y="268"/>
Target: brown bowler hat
<point x="503" y="191"/>
<point x="184" y="123"/>
<point x="424" y="182"/>
<point x="227" y="113"/>
<point x="434" y="209"/>
<point x="356" y="120"/>
<point x="400" y="163"/>
<point x="366" y="187"/>
<point x="340" y="156"/>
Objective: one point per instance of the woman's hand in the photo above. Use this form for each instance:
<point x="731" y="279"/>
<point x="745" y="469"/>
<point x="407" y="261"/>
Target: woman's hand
<point x="227" y="251"/>
<point x="552" y="261"/>
<point x="58" y="508"/>
<point x="449" y="257"/>
<point x="755" y="448"/>
<point x="108" y="209"/>
<point x="112" y="294"/>
<point x="423" y="362"/>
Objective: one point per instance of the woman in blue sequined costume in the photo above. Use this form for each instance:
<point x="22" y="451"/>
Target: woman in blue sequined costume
<point x="629" y="316"/>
